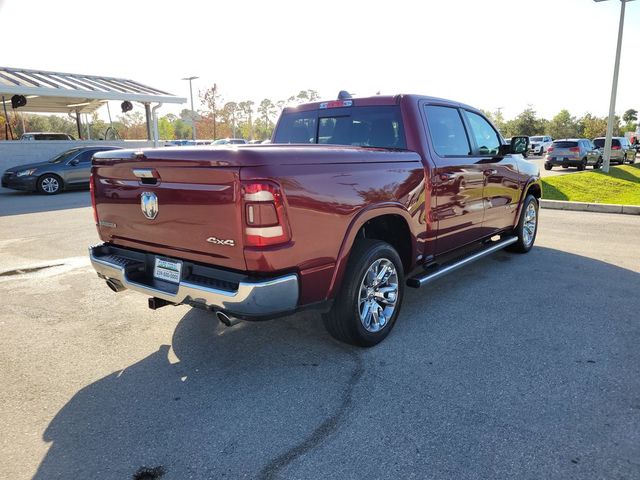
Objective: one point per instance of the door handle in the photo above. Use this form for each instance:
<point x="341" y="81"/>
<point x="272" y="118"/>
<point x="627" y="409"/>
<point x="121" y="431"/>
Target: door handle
<point x="489" y="171"/>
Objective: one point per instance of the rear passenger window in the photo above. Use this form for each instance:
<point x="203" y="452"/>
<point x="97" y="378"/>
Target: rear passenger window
<point x="487" y="141"/>
<point x="447" y="131"/>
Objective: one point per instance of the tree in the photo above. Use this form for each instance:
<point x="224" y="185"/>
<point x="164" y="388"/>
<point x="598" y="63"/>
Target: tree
<point x="563" y="125"/>
<point x="245" y="113"/>
<point x="630" y="115"/>
<point x="593" y="126"/>
<point x="266" y="111"/>
<point x="230" y="113"/>
<point x="526" y="123"/>
<point x="212" y="99"/>
<point x="166" y="129"/>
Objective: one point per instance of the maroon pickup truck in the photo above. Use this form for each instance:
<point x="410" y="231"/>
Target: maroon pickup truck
<point x="355" y="199"/>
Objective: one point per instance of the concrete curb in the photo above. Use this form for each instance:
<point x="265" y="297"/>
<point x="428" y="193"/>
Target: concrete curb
<point x="590" y="207"/>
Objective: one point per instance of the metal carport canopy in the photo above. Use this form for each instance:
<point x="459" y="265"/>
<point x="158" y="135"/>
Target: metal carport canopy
<point x="70" y="92"/>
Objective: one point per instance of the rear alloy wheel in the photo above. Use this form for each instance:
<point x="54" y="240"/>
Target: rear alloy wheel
<point x="548" y="166"/>
<point x="49" y="184"/>
<point x="583" y="164"/>
<point x="527" y="227"/>
<point x="367" y="306"/>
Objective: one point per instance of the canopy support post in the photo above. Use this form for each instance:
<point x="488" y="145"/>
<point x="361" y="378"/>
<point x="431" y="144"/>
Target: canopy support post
<point x="147" y="111"/>
<point x="155" y="125"/>
<point x="79" y="123"/>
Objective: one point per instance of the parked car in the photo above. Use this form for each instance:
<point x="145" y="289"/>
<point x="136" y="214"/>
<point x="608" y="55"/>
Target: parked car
<point x="46" y="136"/>
<point x="68" y="170"/>
<point x="573" y="152"/>
<point x="540" y="144"/>
<point x="355" y="199"/>
<point x="621" y="149"/>
<point x="230" y="141"/>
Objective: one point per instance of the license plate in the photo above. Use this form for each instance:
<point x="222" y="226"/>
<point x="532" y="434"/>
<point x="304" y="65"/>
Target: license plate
<point x="168" y="270"/>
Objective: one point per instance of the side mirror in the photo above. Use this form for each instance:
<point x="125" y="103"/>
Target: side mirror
<point x="519" y="145"/>
<point x="74" y="162"/>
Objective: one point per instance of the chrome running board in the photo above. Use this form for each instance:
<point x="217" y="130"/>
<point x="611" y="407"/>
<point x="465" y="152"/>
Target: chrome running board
<point x="437" y="272"/>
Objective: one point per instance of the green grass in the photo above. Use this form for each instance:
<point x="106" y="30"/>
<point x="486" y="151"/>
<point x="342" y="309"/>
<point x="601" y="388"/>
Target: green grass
<point x="620" y="186"/>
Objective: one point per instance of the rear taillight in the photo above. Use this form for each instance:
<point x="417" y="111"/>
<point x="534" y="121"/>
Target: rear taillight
<point x="615" y="147"/>
<point x="265" y="221"/>
<point x="550" y="150"/>
<point x="575" y="149"/>
<point x="92" y="190"/>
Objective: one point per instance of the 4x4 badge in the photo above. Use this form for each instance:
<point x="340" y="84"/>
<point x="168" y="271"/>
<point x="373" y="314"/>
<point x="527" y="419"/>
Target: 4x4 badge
<point x="219" y="241"/>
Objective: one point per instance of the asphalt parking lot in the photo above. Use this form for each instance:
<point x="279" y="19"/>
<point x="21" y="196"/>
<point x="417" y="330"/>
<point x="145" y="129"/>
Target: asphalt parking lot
<point x="520" y="366"/>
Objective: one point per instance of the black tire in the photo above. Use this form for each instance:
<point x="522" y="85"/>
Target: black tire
<point x="582" y="165"/>
<point x="598" y="164"/>
<point x="522" y="246"/>
<point x="343" y="320"/>
<point x="49" y="184"/>
<point x="542" y="151"/>
<point x="548" y="166"/>
<point x="565" y="166"/>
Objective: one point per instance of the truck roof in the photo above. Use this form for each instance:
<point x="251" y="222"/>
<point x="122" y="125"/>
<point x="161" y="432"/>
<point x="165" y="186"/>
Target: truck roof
<point x="380" y="100"/>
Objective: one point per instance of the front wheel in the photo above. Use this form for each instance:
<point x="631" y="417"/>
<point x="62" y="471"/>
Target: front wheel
<point x="49" y="184"/>
<point x="598" y="164"/>
<point x="527" y="227"/>
<point x="367" y="306"/>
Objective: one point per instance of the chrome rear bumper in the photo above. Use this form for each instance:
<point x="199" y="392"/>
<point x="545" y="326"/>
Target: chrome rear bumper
<point x="244" y="298"/>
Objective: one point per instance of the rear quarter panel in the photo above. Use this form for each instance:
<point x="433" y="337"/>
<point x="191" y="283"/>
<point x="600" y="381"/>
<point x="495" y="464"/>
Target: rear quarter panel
<point x="327" y="203"/>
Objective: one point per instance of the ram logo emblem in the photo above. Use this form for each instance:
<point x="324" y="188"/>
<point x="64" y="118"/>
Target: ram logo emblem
<point x="149" y="205"/>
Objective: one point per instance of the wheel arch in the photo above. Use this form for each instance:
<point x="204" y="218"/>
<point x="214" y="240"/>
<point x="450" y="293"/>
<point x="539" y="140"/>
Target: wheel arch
<point x="534" y="187"/>
<point x="377" y="222"/>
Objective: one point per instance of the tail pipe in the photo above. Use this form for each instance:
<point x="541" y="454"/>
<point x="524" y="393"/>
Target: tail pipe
<point x="228" y="320"/>
<point x="115" y="285"/>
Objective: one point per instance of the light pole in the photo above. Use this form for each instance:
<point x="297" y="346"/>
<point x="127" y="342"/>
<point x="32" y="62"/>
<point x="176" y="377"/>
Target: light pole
<point x="614" y="89"/>
<point x="193" y="113"/>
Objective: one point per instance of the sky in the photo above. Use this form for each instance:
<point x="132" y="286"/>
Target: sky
<point x="508" y="54"/>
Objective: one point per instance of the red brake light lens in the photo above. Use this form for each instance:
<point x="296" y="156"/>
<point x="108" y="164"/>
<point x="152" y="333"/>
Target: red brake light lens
<point x="615" y="147"/>
<point x="264" y="214"/>
<point x="550" y="149"/>
<point x="575" y="149"/>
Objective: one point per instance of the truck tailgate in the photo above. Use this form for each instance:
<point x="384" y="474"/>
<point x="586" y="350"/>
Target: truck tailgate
<point x="183" y="208"/>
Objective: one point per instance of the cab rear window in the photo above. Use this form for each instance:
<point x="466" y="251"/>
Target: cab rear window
<point x="378" y="127"/>
<point x="565" y="144"/>
<point x="599" y="142"/>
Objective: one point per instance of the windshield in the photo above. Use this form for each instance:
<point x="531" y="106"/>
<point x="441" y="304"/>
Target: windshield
<point x="536" y="139"/>
<point x="64" y="156"/>
<point x="379" y="127"/>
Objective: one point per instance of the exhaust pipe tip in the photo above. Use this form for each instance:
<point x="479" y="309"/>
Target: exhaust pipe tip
<point x="226" y="319"/>
<point x="115" y="285"/>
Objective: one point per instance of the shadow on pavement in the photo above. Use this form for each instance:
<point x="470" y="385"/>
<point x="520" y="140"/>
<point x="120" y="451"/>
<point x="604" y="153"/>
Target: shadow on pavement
<point x="13" y="202"/>
<point x="247" y="401"/>
<point x="237" y="396"/>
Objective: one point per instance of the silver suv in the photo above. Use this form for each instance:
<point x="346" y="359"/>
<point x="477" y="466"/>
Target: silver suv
<point x="621" y="149"/>
<point x="573" y="152"/>
<point x="540" y="144"/>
